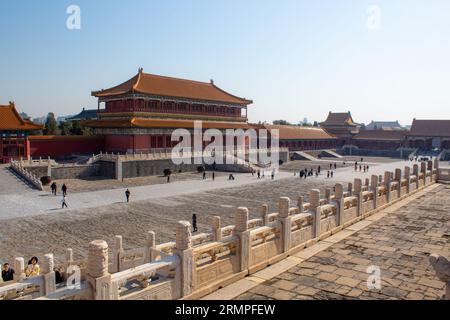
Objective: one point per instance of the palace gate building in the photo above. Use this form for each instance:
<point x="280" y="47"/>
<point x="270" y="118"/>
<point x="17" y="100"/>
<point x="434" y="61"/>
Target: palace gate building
<point x="140" y="114"/>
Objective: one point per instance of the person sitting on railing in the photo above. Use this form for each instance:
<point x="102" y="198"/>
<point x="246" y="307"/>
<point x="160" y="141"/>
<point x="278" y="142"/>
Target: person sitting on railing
<point x="33" y="268"/>
<point x="7" y="273"/>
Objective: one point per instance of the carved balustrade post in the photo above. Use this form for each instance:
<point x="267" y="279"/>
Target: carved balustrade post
<point x="314" y="200"/>
<point x="284" y="205"/>
<point x="339" y="199"/>
<point x="241" y="230"/>
<point x="97" y="271"/>
<point x="374" y="189"/>
<point x="358" y="194"/>
<point x="151" y="246"/>
<point x="216" y="228"/>
<point x="47" y="268"/>
<point x="300" y="202"/>
<point x="264" y="211"/>
<point x="408" y="178"/>
<point x="416" y="173"/>
<point x="185" y="252"/>
<point x="387" y="186"/>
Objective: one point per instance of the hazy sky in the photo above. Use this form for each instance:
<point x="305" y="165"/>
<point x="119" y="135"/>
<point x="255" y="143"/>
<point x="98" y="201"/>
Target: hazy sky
<point x="295" y="58"/>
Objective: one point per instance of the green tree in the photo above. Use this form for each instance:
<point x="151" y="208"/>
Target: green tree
<point x="51" y="127"/>
<point x="281" y="122"/>
<point x="76" y="129"/>
<point x="65" y="128"/>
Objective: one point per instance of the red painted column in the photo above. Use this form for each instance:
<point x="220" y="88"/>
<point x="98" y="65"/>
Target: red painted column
<point x="27" y="147"/>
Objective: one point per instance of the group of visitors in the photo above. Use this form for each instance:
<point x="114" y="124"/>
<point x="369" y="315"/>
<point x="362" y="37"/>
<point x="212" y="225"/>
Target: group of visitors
<point x="361" y="167"/>
<point x="32" y="270"/>
<point x="54" y="189"/>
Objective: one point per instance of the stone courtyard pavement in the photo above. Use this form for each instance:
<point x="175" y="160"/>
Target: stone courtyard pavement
<point x="398" y="240"/>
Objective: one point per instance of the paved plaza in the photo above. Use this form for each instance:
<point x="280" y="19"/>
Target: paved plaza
<point x="398" y="240"/>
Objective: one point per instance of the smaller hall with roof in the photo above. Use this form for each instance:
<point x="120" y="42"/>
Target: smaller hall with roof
<point x="14" y="133"/>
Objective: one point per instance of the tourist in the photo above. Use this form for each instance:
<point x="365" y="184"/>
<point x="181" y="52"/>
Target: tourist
<point x="7" y="273"/>
<point x="273" y="174"/>
<point x="331" y="166"/>
<point x="168" y="178"/>
<point x="64" y="189"/>
<point x="362" y="160"/>
<point x="360" y="167"/>
<point x="33" y="268"/>
<point x="356" y="166"/>
<point x="367" y="168"/>
<point x="63" y="202"/>
<point x="335" y="166"/>
<point x="259" y="174"/>
<point x="127" y="195"/>
<point x="328" y="174"/>
<point x="204" y="175"/>
<point x="318" y="169"/>
<point x="332" y="173"/>
<point x="214" y="175"/>
<point x="194" y="222"/>
<point x="54" y="188"/>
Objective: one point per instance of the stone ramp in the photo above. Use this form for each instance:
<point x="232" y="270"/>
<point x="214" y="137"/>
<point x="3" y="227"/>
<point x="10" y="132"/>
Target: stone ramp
<point x="331" y="154"/>
<point x="12" y="183"/>
<point x="300" y="155"/>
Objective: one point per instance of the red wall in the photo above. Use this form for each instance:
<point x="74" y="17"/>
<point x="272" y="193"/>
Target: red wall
<point x="57" y="146"/>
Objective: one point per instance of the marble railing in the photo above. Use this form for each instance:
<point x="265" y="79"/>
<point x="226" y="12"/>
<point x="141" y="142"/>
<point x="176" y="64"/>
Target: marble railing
<point x="194" y="266"/>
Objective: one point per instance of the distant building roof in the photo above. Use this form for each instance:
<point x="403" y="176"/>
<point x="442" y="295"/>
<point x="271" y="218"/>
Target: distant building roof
<point x="10" y="120"/>
<point x="374" y="125"/>
<point x="84" y="115"/>
<point x="391" y="135"/>
<point x="430" y="128"/>
<point x="300" y="133"/>
<point x="339" y="118"/>
<point x="150" y="84"/>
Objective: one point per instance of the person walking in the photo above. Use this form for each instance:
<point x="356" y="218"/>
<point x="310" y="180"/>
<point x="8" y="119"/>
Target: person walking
<point x="332" y="173"/>
<point x="273" y="174"/>
<point x="328" y="174"/>
<point x="318" y="169"/>
<point x="259" y="174"/>
<point x="335" y="166"/>
<point x="54" y="188"/>
<point x="204" y="175"/>
<point x="64" y="189"/>
<point x="127" y="195"/>
<point x="214" y="176"/>
<point x="63" y="202"/>
<point x="194" y="222"/>
<point x="168" y="178"/>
